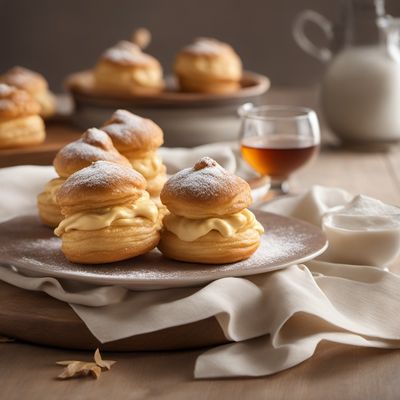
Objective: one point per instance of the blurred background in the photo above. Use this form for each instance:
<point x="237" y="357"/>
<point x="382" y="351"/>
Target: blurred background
<point x="64" y="36"/>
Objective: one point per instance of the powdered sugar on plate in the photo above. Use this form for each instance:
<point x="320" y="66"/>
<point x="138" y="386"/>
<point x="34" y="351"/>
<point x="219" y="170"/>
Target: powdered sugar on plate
<point x="32" y="248"/>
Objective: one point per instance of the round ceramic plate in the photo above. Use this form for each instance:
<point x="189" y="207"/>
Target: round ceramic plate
<point x="84" y="90"/>
<point x="34" y="250"/>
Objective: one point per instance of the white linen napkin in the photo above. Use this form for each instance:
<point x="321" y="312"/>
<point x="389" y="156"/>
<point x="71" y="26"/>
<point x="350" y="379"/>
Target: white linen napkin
<point x="276" y="322"/>
<point x="178" y="158"/>
<point x="19" y="187"/>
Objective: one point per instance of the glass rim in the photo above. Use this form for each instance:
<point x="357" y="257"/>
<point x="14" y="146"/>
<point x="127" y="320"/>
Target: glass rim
<point x="248" y="110"/>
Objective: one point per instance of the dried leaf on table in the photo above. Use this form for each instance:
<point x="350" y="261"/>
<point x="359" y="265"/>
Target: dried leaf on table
<point x="75" y="369"/>
<point x="80" y="368"/>
<point x="107" y="364"/>
<point x="67" y="362"/>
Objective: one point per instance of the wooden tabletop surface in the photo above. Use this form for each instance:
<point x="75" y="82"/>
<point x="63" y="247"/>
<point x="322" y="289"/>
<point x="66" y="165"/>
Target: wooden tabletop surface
<point x="335" y="372"/>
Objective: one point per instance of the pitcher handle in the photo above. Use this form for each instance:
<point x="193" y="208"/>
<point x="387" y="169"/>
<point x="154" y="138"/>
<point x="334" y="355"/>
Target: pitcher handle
<point x="323" y="54"/>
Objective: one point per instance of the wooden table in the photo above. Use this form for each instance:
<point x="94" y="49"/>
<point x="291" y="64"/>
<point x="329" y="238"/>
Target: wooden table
<point x="335" y="372"/>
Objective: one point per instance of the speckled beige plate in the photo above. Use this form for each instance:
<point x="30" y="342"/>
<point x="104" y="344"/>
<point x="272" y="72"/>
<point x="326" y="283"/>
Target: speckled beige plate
<point x="32" y="248"/>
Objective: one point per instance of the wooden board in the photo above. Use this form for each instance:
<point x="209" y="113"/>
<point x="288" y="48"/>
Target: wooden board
<point x="59" y="133"/>
<point x="38" y="318"/>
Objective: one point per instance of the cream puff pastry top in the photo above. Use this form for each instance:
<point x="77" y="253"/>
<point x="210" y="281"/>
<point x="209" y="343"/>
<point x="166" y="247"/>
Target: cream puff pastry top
<point x="33" y="83"/>
<point x="16" y="103"/>
<point x="95" y="219"/>
<point x="189" y="230"/>
<point x="127" y="53"/>
<point x="92" y="146"/>
<point x="210" y="58"/>
<point x="135" y="67"/>
<point x="132" y="133"/>
<point x="204" y="191"/>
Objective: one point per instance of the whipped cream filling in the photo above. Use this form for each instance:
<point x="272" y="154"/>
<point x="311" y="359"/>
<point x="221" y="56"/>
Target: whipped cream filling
<point x="104" y="217"/>
<point x="148" y="167"/>
<point x="189" y="230"/>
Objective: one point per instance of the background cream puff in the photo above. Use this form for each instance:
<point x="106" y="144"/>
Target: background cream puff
<point x="208" y="66"/>
<point x="108" y="215"/>
<point x="35" y="84"/>
<point x="20" y="122"/>
<point x="126" y="69"/>
<point x="94" y="145"/>
<point x="209" y="221"/>
<point x="138" y="139"/>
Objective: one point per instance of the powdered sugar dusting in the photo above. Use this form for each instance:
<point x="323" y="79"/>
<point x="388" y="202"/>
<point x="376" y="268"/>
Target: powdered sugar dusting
<point x="205" y="181"/>
<point x="21" y="77"/>
<point x="131" y="130"/>
<point x="16" y="101"/>
<point x="97" y="138"/>
<point x="367" y="206"/>
<point x="124" y="123"/>
<point x="207" y="46"/>
<point x="6" y="90"/>
<point x="92" y="146"/>
<point x="365" y="214"/>
<point x="100" y="174"/>
<point x="126" y="52"/>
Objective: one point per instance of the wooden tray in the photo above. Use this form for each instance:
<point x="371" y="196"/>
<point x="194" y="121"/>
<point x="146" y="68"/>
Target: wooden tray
<point x="38" y="318"/>
<point x="59" y="133"/>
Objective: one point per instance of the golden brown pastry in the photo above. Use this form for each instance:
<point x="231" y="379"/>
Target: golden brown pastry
<point x="126" y="69"/>
<point x="208" y="66"/>
<point x="108" y="215"/>
<point x="94" y="145"/>
<point x="208" y="221"/>
<point x="20" y="122"/>
<point x="138" y="139"/>
<point x="35" y="84"/>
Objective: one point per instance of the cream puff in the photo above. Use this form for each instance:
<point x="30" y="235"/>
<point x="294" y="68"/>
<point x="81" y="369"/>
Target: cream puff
<point x="108" y="215"/>
<point x="94" y="145"/>
<point x="209" y="221"/>
<point x="20" y="122"/>
<point x="138" y="139"/>
<point x="208" y="66"/>
<point x="126" y="69"/>
<point x="33" y="83"/>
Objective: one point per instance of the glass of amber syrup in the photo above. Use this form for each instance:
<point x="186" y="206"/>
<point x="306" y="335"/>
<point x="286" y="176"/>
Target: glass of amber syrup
<point x="278" y="140"/>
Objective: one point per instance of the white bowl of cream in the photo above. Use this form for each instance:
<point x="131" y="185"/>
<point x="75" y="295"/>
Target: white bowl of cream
<point x="365" y="232"/>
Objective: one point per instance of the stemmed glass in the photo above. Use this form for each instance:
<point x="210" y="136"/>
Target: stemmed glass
<point x="277" y="140"/>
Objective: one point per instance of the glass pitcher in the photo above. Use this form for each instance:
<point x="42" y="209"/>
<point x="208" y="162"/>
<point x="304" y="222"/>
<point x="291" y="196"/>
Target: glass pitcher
<point x="360" y="91"/>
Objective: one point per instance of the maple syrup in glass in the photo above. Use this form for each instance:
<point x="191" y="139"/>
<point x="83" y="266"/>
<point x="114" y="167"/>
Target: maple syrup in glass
<point x="278" y="140"/>
<point x="277" y="156"/>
